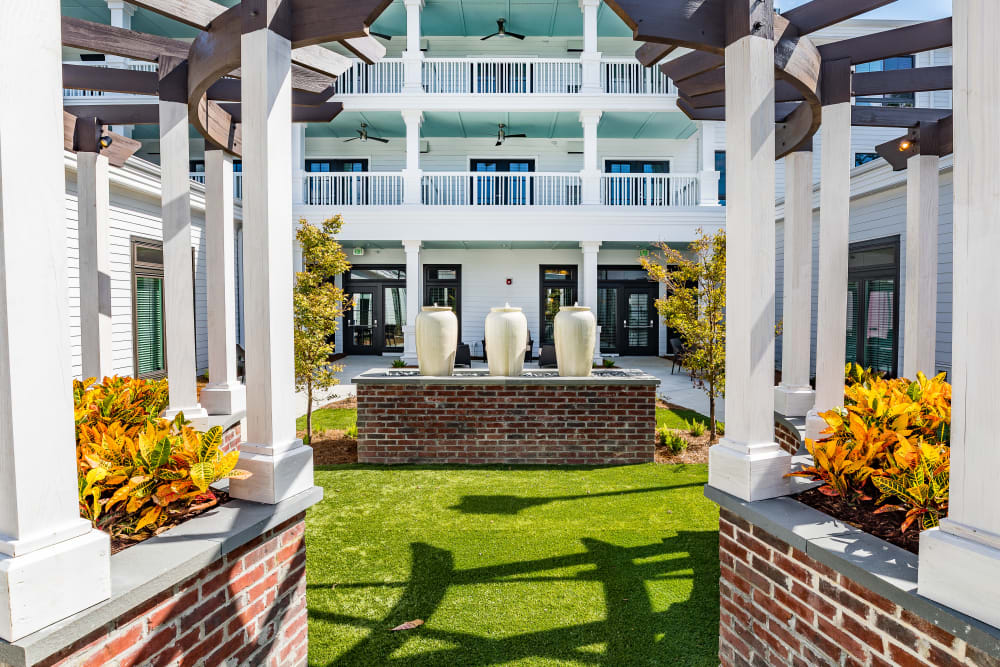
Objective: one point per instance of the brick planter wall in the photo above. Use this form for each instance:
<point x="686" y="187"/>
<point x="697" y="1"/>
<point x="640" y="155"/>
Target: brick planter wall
<point x="547" y="423"/>
<point x="247" y="608"/>
<point x="788" y="440"/>
<point x="782" y="607"/>
<point x="231" y="437"/>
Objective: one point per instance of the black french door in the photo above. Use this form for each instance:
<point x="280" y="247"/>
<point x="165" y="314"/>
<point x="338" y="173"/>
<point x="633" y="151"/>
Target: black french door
<point x="376" y="313"/>
<point x="873" y="306"/>
<point x="628" y="320"/>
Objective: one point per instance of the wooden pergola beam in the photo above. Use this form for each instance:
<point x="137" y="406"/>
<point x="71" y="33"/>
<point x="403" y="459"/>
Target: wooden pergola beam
<point x="110" y="80"/>
<point x="891" y="43"/>
<point x="90" y="36"/>
<point x="934" y="138"/>
<point x="651" y="53"/>
<point x="895" y="116"/>
<point x="915" y="80"/>
<point x="819" y="14"/>
<point x="695" y="24"/>
<point x="118" y="114"/>
<point x="84" y="134"/>
<point x="691" y="64"/>
<point x="322" y="113"/>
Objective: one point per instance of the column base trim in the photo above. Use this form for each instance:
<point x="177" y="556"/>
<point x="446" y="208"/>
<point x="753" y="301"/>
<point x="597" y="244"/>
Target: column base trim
<point x="960" y="573"/>
<point x="50" y="584"/>
<point x="274" y="476"/>
<point x="191" y="413"/>
<point x="791" y="401"/>
<point x="224" y="398"/>
<point x="750" y="472"/>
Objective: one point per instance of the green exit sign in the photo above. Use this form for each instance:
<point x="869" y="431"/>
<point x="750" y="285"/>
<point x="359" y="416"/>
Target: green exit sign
<point x="644" y="252"/>
<point x="359" y="251"/>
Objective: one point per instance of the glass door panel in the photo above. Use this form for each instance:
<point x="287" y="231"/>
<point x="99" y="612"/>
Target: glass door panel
<point x="362" y="322"/>
<point x="394" y="315"/>
<point x="640" y="320"/>
<point x="880" y="331"/>
<point x="853" y="322"/>
<point x="443" y="296"/>
<point x="555" y="298"/>
<point x="607" y="318"/>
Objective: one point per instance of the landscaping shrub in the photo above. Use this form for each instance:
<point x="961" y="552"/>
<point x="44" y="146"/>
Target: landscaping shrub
<point x="695" y="427"/>
<point x="672" y="441"/>
<point x="608" y="362"/>
<point x="398" y="363"/>
<point x="890" y="440"/>
<point x="138" y="474"/>
<point x="352" y="432"/>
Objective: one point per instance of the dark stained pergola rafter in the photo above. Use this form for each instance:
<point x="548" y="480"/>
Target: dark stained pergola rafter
<point x="803" y="78"/>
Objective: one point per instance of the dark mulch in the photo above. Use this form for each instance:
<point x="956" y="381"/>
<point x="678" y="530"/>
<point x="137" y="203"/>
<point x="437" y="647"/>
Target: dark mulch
<point x="884" y="526"/>
<point x="122" y="543"/>
<point x="333" y="447"/>
<point x="696" y="452"/>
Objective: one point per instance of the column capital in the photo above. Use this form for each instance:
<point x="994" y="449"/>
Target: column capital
<point x="590" y="246"/>
<point x="122" y="6"/>
<point x="591" y="116"/>
<point x="412" y="246"/>
<point x="413" y="116"/>
<point x="419" y="4"/>
<point x="584" y="4"/>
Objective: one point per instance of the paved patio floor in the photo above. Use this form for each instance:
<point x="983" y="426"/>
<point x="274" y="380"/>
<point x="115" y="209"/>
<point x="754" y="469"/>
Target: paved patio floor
<point x="676" y="388"/>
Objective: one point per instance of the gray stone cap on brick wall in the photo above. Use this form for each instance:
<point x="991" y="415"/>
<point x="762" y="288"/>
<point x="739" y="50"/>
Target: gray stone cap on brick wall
<point x="151" y="567"/>
<point x="877" y="565"/>
<point x="532" y="377"/>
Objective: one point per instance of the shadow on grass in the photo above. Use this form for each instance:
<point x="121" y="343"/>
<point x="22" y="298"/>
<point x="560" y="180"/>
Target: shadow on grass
<point x="500" y="504"/>
<point x="633" y="632"/>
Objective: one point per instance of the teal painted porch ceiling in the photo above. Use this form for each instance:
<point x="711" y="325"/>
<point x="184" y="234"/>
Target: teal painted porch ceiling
<point x="534" y="18"/>
<point x="537" y="125"/>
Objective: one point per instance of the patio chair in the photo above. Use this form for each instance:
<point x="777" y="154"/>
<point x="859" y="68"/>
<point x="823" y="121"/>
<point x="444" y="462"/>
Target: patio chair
<point x="677" y="350"/>
<point x="547" y="357"/>
<point x="463" y="356"/>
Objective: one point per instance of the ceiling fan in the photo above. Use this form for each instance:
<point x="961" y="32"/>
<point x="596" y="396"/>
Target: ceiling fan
<point x="503" y="136"/>
<point x="363" y="135"/>
<point x="502" y="32"/>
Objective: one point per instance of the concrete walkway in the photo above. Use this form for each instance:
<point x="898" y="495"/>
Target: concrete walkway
<point x="676" y="388"/>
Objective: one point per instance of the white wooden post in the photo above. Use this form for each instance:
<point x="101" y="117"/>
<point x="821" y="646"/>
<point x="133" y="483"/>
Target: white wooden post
<point x="298" y="162"/>
<point x="708" y="177"/>
<point x="591" y="174"/>
<point x="920" y="314"/>
<point x="960" y="562"/>
<point x="412" y="175"/>
<point x="794" y="396"/>
<point x="589" y="294"/>
<point x="225" y="394"/>
<point x="93" y="203"/>
<point x="178" y="278"/>
<point x="748" y="463"/>
<point x="590" y="59"/>
<point x="281" y="465"/>
<point x="52" y="563"/>
<point x="413" y="57"/>
<point x="414" y="297"/>
<point x="837" y="161"/>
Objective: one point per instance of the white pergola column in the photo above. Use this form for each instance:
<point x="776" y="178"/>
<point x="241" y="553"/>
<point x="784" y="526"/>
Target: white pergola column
<point x="298" y="162"/>
<point x="178" y="279"/>
<point x="708" y="177"/>
<point x="589" y="294"/>
<point x="281" y="465"/>
<point x="52" y="563"/>
<point x="413" y="57"/>
<point x="748" y="463"/>
<point x="225" y="394"/>
<point x="93" y="203"/>
<point x="920" y="315"/>
<point x="414" y="297"/>
<point x="794" y="397"/>
<point x="591" y="173"/>
<point x="837" y="161"/>
<point x="590" y="59"/>
<point x="412" y="175"/>
<point x="960" y="561"/>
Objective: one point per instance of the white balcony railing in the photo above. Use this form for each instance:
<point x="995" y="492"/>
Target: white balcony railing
<point x="199" y="177"/>
<point x="502" y="76"/>
<point x="382" y="78"/>
<point x="132" y="65"/>
<point x="500" y="189"/>
<point x="625" y="76"/>
<point x="646" y="190"/>
<point x="353" y="189"/>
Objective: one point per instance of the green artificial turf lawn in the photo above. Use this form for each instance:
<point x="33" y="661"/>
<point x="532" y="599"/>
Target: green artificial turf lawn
<point x="329" y="419"/>
<point x="513" y="566"/>
<point x="676" y="418"/>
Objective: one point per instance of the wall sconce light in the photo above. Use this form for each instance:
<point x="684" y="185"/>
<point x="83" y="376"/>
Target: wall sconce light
<point x="106" y="141"/>
<point x="905" y="145"/>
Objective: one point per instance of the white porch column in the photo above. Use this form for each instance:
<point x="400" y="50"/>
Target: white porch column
<point x="590" y="59"/>
<point x="794" y="397"/>
<point x="121" y="17"/>
<point x="52" y="563"/>
<point x="748" y="463"/>
<point x="225" y="394"/>
<point x="298" y="162"/>
<point x="834" y="229"/>
<point x="414" y="297"/>
<point x="412" y="175"/>
<point x="93" y="202"/>
<point x="591" y="173"/>
<point x="960" y="562"/>
<point x="178" y="283"/>
<point x="589" y="294"/>
<point x="413" y="57"/>
<point x="920" y="316"/>
<point x="281" y="465"/>
<point x="708" y="177"/>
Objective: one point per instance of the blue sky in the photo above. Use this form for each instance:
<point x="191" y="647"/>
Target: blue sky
<point x="902" y="9"/>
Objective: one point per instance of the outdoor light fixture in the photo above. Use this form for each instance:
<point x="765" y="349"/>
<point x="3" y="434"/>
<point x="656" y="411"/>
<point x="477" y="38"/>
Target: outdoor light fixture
<point x="905" y="145"/>
<point x="106" y="141"/>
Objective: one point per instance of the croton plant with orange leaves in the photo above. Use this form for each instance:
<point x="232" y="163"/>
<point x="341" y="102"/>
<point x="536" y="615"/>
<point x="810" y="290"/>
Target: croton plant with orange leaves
<point x="138" y="473"/>
<point x="889" y="443"/>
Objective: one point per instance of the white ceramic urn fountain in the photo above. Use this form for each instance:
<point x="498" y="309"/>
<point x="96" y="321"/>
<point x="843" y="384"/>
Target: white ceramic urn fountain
<point x="576" y="336"/>
<point x="506" y="341"/>
<point x="437" y="340"/>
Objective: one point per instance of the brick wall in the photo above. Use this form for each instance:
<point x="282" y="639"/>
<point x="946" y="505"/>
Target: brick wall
<point x="788" y="440"/>
<point x="231" y="437"/>
<point x="781" y="607"/>
<point x="248" y="608"/>
<point x="544" y="424"/>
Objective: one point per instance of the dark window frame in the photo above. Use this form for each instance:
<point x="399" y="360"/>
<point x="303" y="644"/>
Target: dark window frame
<point x="892" y="269"/>
<point x="337" y="162"/>
<point x="722" y="175"/>
<point x="145" y="270"/>
<point x="572" y="281"/>
<point x="455" y="283"/>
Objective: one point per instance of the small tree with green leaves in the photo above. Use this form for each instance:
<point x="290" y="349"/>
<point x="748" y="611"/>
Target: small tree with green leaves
<point x="696" y="308"/>
<point x="318" y="305"/>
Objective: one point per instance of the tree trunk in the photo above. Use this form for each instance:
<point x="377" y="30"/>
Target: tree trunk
<point x="711" y="411"/>
<point x="309" y="412"/>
